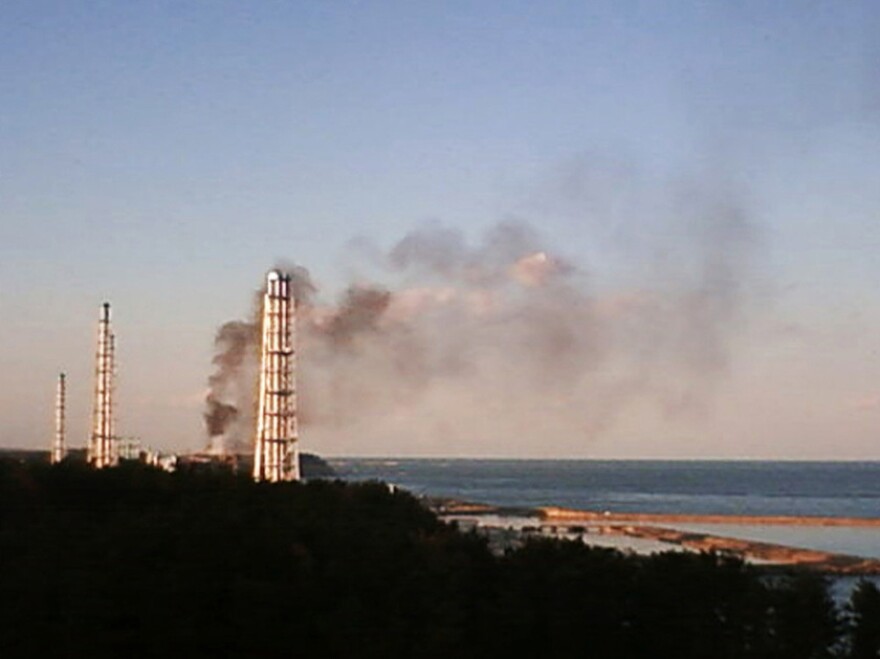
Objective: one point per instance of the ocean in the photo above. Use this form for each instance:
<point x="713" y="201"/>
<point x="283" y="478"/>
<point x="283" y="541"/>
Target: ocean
<point x="829" y="489"/>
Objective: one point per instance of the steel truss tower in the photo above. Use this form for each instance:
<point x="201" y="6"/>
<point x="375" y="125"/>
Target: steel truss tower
<point x="275" y="449"/>
<point x="101" y="453"/>
<point x="59" y="449"/>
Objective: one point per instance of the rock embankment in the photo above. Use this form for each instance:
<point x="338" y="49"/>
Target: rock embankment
<point x="645" y="525"/>
<point x="568" y="514"/>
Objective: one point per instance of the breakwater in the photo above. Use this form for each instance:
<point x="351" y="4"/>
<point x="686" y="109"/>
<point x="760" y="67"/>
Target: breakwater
<point x="568" y="514"/>
<point x="593" y="527"/>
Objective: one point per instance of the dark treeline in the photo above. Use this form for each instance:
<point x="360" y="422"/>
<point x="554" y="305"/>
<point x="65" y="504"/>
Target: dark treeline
<point x="134" y="562"/>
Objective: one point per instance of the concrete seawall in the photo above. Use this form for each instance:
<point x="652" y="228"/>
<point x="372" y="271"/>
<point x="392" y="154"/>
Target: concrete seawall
<point x="554" y="513"/>
<point x="645" y="525"/>
<point x="660" y="528"/>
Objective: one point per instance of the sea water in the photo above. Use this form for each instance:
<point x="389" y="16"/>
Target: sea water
<point x="830" y="489"/>
<point x="827" y="489"/>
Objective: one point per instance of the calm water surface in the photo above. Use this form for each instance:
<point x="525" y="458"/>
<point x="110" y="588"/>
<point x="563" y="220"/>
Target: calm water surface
<point x="838" y="489"/>
<point x="833" y="489"/>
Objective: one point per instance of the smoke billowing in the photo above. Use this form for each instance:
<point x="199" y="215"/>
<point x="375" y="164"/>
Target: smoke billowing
<point x="500" y="342"/>
<point x="231" y="386"/>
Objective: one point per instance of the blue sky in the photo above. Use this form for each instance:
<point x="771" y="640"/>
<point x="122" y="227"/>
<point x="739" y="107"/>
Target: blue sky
<point x="163" y="154"/>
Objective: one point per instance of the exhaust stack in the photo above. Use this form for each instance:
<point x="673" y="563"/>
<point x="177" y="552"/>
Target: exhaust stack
<point x="59" y="448"/>
<point x="275" y="450"/>
<point x="101" y="452"/>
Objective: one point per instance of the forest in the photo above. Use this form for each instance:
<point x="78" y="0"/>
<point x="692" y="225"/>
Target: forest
<point x="137" y="562"/>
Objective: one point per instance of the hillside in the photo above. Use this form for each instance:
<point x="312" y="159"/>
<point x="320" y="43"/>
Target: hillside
<point x="137" y="562"/>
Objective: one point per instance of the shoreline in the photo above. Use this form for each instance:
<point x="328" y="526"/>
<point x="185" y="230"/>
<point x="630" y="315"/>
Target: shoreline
<point x="569" y="514"/>
<point x="658" y="529"/>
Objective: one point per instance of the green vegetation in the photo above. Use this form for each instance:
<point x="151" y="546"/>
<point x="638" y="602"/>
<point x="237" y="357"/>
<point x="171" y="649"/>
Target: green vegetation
<point x="135" y="562"/>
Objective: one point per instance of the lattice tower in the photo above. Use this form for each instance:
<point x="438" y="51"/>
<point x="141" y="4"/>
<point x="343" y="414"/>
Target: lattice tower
<point x="275" y="444"/>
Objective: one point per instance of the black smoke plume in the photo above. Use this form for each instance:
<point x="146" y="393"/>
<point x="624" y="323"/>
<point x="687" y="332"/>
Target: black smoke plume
<point x="502" y="342"/>
<point x="229" y="391"/>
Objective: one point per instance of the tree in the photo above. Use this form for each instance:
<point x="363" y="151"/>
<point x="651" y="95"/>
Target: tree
<point x="805" y="622"/>
<point x="864" y="620"/>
